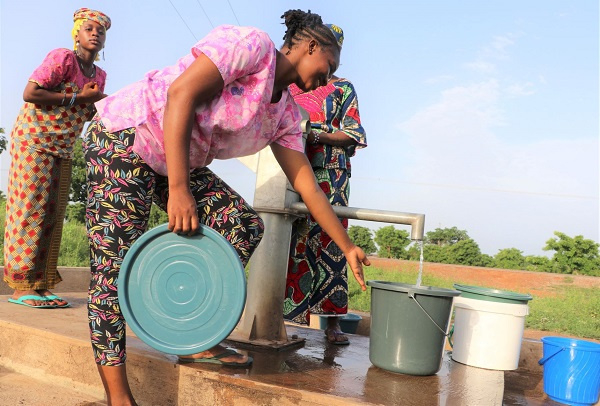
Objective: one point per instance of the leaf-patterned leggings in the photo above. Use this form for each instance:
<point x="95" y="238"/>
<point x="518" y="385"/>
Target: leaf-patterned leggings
<point x="121" y="189"/>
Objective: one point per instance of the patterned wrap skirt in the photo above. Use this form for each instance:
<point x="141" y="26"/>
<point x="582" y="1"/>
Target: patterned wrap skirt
<point x="38" y="190"/>
<point x="317" y="281"/>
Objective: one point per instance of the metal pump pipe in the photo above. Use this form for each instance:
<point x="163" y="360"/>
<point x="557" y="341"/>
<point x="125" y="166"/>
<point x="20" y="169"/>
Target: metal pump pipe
<point x="416" y="221"/>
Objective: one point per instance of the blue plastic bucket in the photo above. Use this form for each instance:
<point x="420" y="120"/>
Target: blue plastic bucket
<point x="571" y="370"/>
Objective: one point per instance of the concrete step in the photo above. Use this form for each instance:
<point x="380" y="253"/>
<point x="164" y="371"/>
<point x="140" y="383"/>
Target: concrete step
<point x="52" y="347"/>
<point x="20" y="389"/>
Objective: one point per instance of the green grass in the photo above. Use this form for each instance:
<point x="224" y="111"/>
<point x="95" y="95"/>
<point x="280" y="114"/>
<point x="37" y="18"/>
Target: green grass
<point x="570" y="310"/>
<point x="573" y="310"/>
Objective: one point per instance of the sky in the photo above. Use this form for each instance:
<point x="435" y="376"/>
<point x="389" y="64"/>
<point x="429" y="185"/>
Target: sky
<point x="480" y="115"/>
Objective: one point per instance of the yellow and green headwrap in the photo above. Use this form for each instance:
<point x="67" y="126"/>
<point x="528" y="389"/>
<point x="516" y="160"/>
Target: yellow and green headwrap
<point x="83" y="14"/>
<point x="338" y="33"/>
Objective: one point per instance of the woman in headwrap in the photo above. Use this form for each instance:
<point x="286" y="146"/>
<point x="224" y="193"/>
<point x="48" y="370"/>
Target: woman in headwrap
<point x="227" y="98"/>
<point x="59" y="99"/>
<point x="317" y="281"/>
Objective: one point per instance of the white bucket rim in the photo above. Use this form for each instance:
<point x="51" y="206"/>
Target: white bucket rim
<point x="512" y="309"/>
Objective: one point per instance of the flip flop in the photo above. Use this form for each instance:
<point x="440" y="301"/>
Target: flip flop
<point x="60" y="299"/>
<point x="217" y="360"/>
<point x="335" y="336"/>
<point x="21" y="301"/>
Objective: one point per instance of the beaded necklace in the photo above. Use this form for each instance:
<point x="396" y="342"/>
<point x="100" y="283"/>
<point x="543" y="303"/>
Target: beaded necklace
<point x="93" y="68"/>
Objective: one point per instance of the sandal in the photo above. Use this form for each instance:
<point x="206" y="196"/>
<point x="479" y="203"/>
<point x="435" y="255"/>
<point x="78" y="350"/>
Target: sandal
<point x="22" y="299"/>
<point x="53" y="297"/>
<point x="216" y="359"/>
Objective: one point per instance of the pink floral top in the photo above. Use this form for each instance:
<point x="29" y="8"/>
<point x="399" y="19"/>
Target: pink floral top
<point x="240" y="121"/>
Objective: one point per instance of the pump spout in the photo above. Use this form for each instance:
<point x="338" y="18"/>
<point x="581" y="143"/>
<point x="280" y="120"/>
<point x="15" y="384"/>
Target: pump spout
<point x="416" y="221"/>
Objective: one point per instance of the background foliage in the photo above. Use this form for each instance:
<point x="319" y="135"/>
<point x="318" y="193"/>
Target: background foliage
<point x="570" y="255"/>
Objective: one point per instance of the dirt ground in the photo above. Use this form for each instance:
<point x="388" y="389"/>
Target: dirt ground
<point x="535" y="283"/>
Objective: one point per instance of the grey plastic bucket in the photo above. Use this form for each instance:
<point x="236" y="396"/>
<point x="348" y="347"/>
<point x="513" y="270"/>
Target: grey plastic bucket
<point x="409" y="326"/>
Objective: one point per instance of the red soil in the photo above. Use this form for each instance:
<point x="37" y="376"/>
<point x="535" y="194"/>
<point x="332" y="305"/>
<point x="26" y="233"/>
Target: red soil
<point x="535" y="283"/>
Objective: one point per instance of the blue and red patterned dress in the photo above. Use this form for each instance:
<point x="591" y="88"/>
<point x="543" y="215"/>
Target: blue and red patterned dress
<point x="317" y="281"/>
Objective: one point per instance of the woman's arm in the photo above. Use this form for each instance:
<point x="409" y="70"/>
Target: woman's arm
<point x="337" y="139"/>
<point x="298" y="170"/>
<point x="34" y="93"/>
<point x="351" y="132"/>
<point x="199" y="83"/>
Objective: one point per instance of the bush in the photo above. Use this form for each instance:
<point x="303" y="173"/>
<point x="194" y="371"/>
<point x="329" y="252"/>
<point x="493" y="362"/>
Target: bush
<point x="157" y="217"/>
<point x="74" y="247"/>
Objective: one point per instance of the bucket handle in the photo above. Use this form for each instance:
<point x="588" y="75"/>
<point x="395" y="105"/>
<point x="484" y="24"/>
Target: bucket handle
<point x="450" y="334"/>
<point x="543" y="360"/>
<point x="411" y="294"/>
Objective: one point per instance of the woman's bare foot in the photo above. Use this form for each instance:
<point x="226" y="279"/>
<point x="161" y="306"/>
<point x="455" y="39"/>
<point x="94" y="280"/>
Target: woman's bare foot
<point x="59" y="302"/>
<point x="32" y="302"/>
<point x="334" y="333"/>
<point x="234" y="358"/>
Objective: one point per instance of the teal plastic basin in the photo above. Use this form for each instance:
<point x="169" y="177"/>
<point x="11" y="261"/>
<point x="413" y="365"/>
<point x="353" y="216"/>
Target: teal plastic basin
<point x="492" y="295"/>
<point x="348" y="323"/>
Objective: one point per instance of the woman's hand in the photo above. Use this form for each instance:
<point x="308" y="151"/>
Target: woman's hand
<point x="356" y="259"/>
<point x="182" y="212"/>
<point x="300" y="174"/>
<point x="89" y="94"/>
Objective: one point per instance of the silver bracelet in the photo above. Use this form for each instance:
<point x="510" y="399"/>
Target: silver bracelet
<point x="72" y="99"/>
<point x="62" y="102"/>
<point x="315" y="138"/>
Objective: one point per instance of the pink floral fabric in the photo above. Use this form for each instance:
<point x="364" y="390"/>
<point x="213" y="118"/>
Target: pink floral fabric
<point x="60" y="65"/>
<point x="240" y="121"/>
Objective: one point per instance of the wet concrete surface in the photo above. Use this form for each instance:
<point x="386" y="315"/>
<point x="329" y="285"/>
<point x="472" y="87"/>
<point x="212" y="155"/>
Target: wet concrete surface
<point x="346" y="371"/>
<point x="317" y="373"/>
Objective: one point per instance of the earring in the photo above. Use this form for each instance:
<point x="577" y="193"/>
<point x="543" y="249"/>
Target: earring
<point x="288" y="51"/>
<point x="103" y="54"/>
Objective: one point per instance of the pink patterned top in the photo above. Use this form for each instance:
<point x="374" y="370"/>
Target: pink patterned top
<point x="54" y="129"/>
<point x="240" y="121"/>
<point x="61" y="65"/>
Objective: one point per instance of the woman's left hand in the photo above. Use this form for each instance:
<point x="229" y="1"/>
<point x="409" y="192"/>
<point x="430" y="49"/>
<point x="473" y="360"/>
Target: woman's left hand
<point x="356" y="259"/>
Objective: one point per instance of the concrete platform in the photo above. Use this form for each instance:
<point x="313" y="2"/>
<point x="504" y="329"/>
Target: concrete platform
<point x="46" y="353"/>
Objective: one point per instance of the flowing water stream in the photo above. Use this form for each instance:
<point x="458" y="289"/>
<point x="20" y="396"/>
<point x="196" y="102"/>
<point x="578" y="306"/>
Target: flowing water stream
<point x="420" y="275"/>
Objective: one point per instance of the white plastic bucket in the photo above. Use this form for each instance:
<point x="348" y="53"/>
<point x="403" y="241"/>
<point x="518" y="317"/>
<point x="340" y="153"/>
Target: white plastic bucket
<point x="488" y="334"/>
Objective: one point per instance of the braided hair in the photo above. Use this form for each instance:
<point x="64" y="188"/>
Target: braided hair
<point x="306" y="25"/>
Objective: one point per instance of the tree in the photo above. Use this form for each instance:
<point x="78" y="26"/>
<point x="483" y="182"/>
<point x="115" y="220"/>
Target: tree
<point x="445" y="236"/>
<point x="538" y="263"/>
<point x="465" y="252"/>
<point x="574" y="255"/>
<point x="509" y="258"/>
<point x="362" y="237"/>
<point x="392" y="242"/>
<point x="435" y="253"/>
<point x="3" y="140"/>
